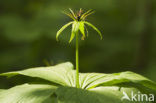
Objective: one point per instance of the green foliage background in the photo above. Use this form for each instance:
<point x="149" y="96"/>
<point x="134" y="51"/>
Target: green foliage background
<point x="28" y="29"/>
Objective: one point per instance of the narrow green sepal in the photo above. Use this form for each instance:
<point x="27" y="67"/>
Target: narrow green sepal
<point x="86" y="30"/>
<point x="72" y="36"/>
<point x="75" y="28"/>
<point x="64" y="27"/>
<point x="91" y="25"/>
<point x="82" y="30"/>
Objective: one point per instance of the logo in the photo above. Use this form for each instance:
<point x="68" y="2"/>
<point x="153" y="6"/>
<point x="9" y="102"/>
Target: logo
<point x="138" y="97"/>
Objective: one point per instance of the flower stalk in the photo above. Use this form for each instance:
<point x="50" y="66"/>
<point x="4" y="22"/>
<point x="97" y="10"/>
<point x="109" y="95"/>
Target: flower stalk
<point x="77" y="60"/>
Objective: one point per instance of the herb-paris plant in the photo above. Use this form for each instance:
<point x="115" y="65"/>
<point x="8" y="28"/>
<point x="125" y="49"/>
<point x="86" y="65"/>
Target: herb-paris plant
<point x="78" y="24"/>
<point x="62" y="84"/>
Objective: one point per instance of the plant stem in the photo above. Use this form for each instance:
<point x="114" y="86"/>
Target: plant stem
<point x="77" y="61"/>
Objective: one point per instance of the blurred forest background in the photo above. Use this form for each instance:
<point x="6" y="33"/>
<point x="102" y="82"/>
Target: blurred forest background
<point x="28" y="29"/>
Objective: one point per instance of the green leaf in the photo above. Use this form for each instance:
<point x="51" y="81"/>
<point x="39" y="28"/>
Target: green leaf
<point x="92" y="80"/>
<point x="52" y="99"/>
<point x="110" y="94"/>
<point x="91" y="25"/>
<point x="82" y="30"/>
<point x="55" y="74"/>
<point x="64" y="27"/>
<point x="28" y="93"/>
<point x="96" y="87"/>
<point x="75" y="28"/>
<point x="1" y="90"/>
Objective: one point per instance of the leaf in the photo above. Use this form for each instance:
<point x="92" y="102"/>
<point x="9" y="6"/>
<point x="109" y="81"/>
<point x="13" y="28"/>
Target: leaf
<point x="52" y="99"/>
<point x="1" y="90"/>
<point x="75" y="28"/>
<point x="28" y="93"/>
<point x="96" y="87"/>
<point x="110" y="94"/>
<point x="91" y="25"/>
<point x="123" y="79"/>
<point x="82" y="30"/>
<point x="60" y="31"/>
<point x="55" y="74"/>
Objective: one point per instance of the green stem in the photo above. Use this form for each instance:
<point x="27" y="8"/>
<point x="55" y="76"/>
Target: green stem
<point x="77" y="61"/>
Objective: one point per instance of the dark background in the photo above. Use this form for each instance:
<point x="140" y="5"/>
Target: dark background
<point x="28" y="29"/>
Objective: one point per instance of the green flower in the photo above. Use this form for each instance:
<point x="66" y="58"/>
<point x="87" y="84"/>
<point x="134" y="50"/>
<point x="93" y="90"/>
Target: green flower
<point x="78" y="24"/>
